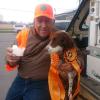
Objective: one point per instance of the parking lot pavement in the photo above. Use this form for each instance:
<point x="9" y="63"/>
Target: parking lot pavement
<point x="6" y="78"/>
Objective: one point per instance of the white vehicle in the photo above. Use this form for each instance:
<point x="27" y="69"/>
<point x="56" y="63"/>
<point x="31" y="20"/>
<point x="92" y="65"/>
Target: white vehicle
<point x="18" y="27"/>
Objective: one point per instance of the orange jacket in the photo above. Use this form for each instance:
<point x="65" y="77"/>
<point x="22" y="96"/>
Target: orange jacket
<point x="21" y="40"/>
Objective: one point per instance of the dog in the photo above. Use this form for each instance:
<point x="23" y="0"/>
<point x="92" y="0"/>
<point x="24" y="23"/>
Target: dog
<point x="60" y="42"/>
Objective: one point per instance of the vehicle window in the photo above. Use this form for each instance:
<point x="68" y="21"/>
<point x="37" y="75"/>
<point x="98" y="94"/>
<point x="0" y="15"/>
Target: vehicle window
<point x="84" y="25"/>
<point x="62" y="25"/>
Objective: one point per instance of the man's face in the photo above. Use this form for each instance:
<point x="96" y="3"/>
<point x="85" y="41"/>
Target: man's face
<point x="43" y="26"/>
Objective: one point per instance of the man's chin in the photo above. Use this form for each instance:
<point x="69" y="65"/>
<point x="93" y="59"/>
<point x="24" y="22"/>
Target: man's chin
<point x="44" y="34"/>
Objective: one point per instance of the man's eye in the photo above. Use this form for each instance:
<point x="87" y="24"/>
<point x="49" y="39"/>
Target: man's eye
<point x="39" y="20"/>
<point x="48" y="21"/>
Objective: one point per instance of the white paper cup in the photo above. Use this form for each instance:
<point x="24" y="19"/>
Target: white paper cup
<point x="18" y="51"/>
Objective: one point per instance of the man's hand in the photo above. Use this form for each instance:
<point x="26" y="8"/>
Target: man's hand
<point x="11" y="58"/>
<point x="63" y="70"/>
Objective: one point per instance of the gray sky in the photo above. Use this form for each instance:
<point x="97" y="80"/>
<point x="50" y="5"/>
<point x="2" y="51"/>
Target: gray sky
<point x="23" y="10"/>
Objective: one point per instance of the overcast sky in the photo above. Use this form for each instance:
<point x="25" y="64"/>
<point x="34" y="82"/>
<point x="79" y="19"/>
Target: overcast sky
<point x="23" y="10"/>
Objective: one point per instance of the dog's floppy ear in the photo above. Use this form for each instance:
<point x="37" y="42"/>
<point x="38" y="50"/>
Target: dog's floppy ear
<point x="52" y="34"/>
<point x="67" y="41"/>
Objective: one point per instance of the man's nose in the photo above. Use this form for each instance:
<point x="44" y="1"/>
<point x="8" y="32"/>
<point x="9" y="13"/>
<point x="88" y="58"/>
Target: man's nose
<point x="44" y="24"/>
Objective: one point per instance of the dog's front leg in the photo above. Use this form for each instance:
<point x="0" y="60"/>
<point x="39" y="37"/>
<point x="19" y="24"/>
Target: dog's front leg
<point x="71" y="76"/>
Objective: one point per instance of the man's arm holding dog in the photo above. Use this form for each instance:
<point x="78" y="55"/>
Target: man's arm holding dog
<point x="62" y="67"/>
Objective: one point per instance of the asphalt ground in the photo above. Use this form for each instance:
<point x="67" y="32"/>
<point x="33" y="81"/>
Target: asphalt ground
<point x="6" y="78"/>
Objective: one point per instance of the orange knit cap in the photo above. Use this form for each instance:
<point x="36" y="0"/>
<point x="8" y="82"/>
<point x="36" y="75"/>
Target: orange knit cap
<point x="44" y="10"/>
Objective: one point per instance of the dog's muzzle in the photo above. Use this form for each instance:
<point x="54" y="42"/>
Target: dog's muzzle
<point x="53" y="49"/>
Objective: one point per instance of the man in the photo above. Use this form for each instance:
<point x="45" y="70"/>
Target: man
<point x="31" y="82"/>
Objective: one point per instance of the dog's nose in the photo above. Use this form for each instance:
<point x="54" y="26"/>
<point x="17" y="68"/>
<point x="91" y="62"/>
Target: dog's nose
<point x="54" y="49"/>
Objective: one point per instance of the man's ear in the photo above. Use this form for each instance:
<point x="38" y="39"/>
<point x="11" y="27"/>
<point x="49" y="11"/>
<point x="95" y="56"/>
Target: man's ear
<point x="53" y="21"/>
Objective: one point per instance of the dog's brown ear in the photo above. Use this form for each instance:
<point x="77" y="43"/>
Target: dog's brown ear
<point x="51" y="36"/>
<point x="53" y="33"/>
<point x="67" y="41"/>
